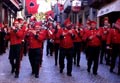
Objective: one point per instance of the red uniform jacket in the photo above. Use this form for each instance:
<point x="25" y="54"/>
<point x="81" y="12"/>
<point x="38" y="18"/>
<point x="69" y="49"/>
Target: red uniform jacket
<point x="113" y="37"/>
<point x="96" y="37"/>
<point x="105" y="32"/>
<point x="78" y="35"/>
<point x="15" y="37"/>
<point x="56" y="36"/>
<point x="66" y="40"/>
<point x="50" y="33"/>
<point x="35" y="41"/>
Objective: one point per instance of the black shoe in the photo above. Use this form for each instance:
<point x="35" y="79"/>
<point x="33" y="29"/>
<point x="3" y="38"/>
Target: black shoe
<point x="46" y="54"/>
<point x="78" y="65"/>
<point x="55" y="63"/>
<point x="107" y="63"/>
<point x="118" y="73"/>
<point x="32" y="73"/>
<point x="101" y="62"/>
<point x="111" y="70"/>
<point x="51" y="55"/>
<point x="74" y="63"/>
<point x="36" y="76"/>
<point x="12" y="71"/>
<point x="88" y="70"/>
<point x="69" y="74"/>
<point x="95" y="73"/>
<point x="16" y="76"/>
<point x="61" y="71"/>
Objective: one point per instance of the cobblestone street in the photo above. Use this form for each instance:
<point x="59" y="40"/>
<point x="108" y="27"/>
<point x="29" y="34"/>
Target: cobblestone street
<point x="49" y="73"/>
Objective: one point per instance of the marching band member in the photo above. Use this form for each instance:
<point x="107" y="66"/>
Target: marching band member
<point x="78" y="31"/>
<point x="93" y="39"/>
<point x="114" y="39"/>
<point x="66" y="48"/>
<point x="50" y="45"/>
<point x="104" y="51"/>
<point x="35" y="41"/>
<point x="15" y="36"/>
<point x="56" y="39"/>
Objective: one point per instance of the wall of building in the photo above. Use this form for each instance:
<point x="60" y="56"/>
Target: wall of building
<point x="8" y="11"/>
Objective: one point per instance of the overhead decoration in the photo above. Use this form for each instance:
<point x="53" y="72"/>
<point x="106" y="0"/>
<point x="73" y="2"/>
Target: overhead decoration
<point x="40" y="16"/>
<point x="32" y="6"/>
<point x="76" y="5"/>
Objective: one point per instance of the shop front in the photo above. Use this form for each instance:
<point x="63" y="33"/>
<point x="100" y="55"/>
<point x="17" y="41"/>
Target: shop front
<point x="112" y="11"/>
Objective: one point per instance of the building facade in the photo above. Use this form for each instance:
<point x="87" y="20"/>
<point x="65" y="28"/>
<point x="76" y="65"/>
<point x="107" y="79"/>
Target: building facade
<point x="106" y="8"/>
<point x="8" y="10"/>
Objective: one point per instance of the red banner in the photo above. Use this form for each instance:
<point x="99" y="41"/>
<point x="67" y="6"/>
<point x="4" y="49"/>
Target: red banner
<point x="32" y="6"/>
<point x="49" y="13"/>
<point x="60" y="6"/>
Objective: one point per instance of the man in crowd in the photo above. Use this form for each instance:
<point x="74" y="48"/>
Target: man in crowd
<point x="93" y="39"/>
<point x="35" y="40"/>
<point x="114" y="39"/>
<point x="15" y="35"/>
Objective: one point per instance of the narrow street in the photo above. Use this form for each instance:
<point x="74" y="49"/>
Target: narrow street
<point x="49" y="73"/>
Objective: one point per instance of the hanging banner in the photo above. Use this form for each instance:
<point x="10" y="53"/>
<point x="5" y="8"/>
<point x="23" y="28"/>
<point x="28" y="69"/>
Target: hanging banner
<point x="76" y="5"/>
<point x="32" y="6"/>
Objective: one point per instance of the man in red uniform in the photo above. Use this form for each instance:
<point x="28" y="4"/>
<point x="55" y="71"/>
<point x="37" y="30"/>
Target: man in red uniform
<point x="105" y="31"/>
<point x="56" y="39"/>
<point x="93" y="39"/>
<point x="15" y="36"/>
<point x="50" y="45"/>
<point x="35" y="41"/>
<point x="114" y="39"/>
<point x="66" y="48"/>
<point x="78" y="31"/>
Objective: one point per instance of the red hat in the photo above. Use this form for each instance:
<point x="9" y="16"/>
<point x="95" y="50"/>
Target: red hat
<point x="25" y="22"/>
<point x="118" y="21"/>
<point x="73" y="25"/>
<point x="32" y="19"/>
<point x="50" y="24"/>
<point x="20" y="20"/>
<point x="88" y="22"/>
<point x="57" y="23"/>
<point x="93" y="22"/>
<point x="16" y="21"/>
<point x="37" y="24"/>
<point x="78" y="24"/>
<point x="67" y="22"/>
<point x="1" y="25"/>
<point x="106" y="18"/>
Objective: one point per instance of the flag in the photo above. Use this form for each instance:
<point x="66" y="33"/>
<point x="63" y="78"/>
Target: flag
<point x="60" y="7"/>
<point x="49" y="14"/>
<point x="32" y="6"/>
<point x="67" y="21"/>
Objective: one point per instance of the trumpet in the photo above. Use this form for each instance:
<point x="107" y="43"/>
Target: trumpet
<point x="51" y="33"/>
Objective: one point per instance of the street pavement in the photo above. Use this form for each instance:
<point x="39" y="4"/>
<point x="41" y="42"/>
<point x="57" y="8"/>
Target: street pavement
<point x="49" y="73"/>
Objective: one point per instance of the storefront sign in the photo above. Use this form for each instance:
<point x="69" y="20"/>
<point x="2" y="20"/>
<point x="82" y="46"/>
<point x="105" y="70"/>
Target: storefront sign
<point x="76" y="5"/>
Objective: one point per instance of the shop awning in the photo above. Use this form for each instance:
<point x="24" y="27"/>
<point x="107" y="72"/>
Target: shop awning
<point x="113" y="7"/>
